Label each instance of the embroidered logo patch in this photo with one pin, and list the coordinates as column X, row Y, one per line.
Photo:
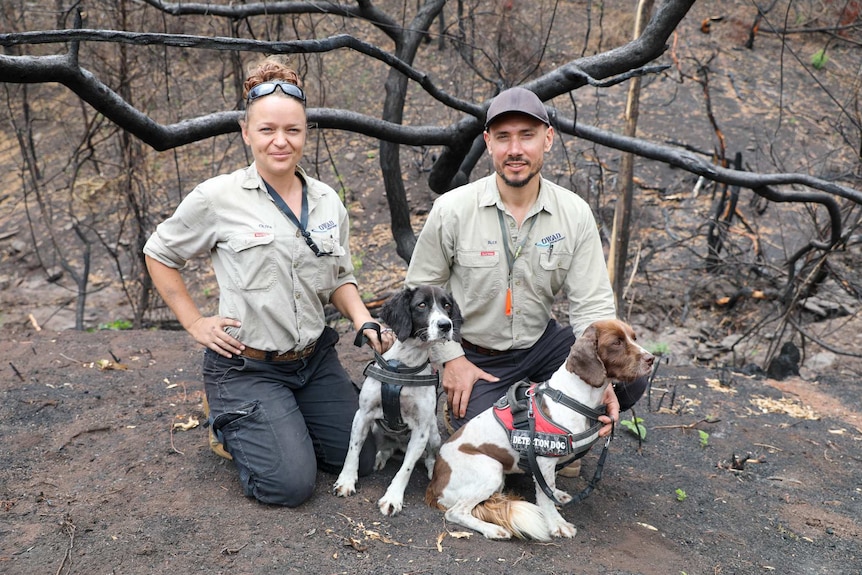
column 325, row 227
column 550, row 240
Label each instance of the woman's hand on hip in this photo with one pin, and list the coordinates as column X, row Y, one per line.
column 210, row 333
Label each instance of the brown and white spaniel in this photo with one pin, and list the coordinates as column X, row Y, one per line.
column 468, row 475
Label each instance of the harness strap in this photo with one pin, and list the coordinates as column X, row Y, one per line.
column 386, row 372
column 393, row 377
column 591, row 484
column 563, row 399
column 597, row 476
column 525, row 409
column 361, row 338
column 382, row 371
column 390, row 400
column 519, row 404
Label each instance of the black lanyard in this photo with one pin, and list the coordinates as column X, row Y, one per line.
column 302, row 222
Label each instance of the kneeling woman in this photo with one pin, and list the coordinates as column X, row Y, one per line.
column 279, row 398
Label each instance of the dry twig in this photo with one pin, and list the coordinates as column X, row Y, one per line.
column 91, row 430
column 689, row 426
column 69, row 528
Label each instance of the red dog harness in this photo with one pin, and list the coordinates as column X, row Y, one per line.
column 532, row 433
column 521, row 415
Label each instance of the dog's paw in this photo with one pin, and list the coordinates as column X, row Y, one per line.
column 389, row 505
column 381, row 458
column 496, row 532
column 344, row 487
column 562, row 496
column 563, row 529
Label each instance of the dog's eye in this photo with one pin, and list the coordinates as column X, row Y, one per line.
column 421, row 305
column 447, row 306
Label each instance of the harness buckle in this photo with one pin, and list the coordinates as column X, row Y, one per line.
column 529, row 394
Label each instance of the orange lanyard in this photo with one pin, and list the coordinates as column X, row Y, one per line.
column 510, row 257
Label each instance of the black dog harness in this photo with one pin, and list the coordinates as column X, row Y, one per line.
column 532, row 432
column 393, row 376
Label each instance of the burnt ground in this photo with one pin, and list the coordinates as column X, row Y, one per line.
column 97, row 476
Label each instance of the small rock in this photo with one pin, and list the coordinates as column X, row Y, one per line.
column 820, row 361
column 53, row 274
column 785, row 363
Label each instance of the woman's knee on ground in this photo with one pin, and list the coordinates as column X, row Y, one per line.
column 286, row 489
column 367, row 456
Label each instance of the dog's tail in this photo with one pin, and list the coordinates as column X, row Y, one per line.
column 524, row 519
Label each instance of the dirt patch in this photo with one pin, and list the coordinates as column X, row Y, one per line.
column 95, row 478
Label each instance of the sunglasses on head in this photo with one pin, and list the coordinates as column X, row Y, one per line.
column 267, row 88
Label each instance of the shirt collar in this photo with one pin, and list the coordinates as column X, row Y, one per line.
column 490, row 196
column 253, row 181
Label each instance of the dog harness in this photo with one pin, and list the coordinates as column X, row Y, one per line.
column 533, row 433
column 393, row 376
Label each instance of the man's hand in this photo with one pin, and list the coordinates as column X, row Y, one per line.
column 210, row 333
column 459, row 377
column 613, row 411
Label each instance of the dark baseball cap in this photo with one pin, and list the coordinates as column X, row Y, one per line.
column 516, row 101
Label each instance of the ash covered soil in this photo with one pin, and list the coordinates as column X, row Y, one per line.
column 98, row 475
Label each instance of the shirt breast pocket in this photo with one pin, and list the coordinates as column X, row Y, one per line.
column 480, row 272
column 554, row 264
column 252, row 261
column 327, row 269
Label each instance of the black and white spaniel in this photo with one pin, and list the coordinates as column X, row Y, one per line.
column 399, row 394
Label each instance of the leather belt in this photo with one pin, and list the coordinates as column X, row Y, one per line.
column 261, row 355
column 479, row 349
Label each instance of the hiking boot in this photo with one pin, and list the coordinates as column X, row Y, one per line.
column 573, row 469
column 215, row 445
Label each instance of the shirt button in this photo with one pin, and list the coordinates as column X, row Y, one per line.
column 296, row 264
column 298, row 233
column 297, row 295
column 517, row 283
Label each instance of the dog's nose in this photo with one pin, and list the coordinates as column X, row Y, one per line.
column 444, row 325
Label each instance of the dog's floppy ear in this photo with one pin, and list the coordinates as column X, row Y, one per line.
column 455, row 316
column 396, row 313
column 584, row 359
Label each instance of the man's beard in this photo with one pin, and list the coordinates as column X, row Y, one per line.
column 519, row 183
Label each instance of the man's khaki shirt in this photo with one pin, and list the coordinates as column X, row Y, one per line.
column 268, row 277
column 460, row 248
